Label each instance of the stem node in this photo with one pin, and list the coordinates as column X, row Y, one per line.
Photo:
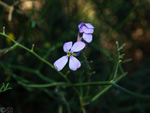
column 3, row 30
column 32, row 49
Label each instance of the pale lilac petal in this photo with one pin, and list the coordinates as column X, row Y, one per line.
column 80, row 25
column 87, row 37
column 74, row 63
column 61, row 62
column 88, row 30
column 67, row 46
column 89, row 25
column 81, row 29
column 77, row 46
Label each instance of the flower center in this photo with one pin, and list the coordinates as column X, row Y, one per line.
column 69, row 54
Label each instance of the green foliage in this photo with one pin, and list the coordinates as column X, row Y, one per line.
column 5, row 87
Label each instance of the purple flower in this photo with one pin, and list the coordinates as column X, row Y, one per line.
column 74, row 63
column 86, row 29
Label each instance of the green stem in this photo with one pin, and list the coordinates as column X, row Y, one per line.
column 42, row 85
column 19, row 67
column 130, row 92
column 37, row 72
column 106, row 88
column 66, row 84
column 43, row 77
column 30, row 50
column 88, row 72
column 48, row 53
column 40, row 58
column 118, row 61
column 116, row 71
column 127, row 60
column 82, row 105
column 66, row 102
column 121, row 69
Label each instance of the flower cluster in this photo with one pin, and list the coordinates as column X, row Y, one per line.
column 86, row 30
column 72, row 50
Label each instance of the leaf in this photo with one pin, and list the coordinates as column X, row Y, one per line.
column 121, row 56
column 122, row 46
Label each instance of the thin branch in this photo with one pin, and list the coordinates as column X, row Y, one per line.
column 4, row 4
column 40, row 58
column 97, row 95
column 130, row 92
column 66, row 84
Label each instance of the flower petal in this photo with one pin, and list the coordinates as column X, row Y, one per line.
column 77, row 46
column 87, row 30
column 81, row 27
column 87, row 37
column 67, row 46
column 74, row 63
column 61, row 62
column 89, row 25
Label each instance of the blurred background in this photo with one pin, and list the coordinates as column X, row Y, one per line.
column 48, row 24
